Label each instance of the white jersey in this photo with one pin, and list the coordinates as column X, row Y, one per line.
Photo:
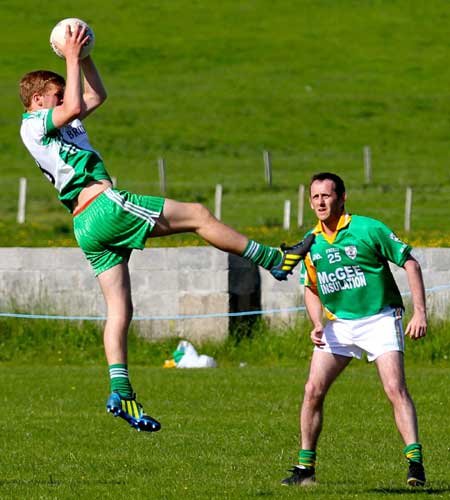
column 64, row 155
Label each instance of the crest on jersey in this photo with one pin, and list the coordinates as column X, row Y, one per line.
column 351, row 251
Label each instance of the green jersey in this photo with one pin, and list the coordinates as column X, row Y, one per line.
column 350, row 270
column 64, row 155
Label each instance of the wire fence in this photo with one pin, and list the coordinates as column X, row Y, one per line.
column 401, row 208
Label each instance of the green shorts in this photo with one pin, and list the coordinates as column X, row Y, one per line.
column 113, row 224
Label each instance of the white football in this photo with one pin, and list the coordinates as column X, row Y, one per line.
column 58, row 35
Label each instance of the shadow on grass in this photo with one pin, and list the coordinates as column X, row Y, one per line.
column 409, row 491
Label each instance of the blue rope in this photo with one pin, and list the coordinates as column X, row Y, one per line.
column 155, row 318
column 185, row 316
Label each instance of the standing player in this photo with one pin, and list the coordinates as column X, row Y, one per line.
column 347, row 276
column 109, row 223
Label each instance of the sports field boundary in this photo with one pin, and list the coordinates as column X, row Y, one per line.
column 187, row 316
column 194, row 292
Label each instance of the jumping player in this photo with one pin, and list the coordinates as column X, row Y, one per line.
column 108, row 223
column 346, row 275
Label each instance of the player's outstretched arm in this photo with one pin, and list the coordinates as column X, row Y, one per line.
column 94, row 92
column 70, row 107
column 417, row 326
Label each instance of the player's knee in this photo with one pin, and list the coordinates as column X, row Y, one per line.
column 121, row 315
column 313, row 392
column 202, row 214
column 396, row 392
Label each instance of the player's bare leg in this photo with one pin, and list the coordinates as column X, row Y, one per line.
column 116, row 288
column 392, row 375
column 115, row 285
column 180, row 217
column 324, row 370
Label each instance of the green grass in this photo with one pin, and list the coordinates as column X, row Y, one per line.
column 59, row 343
column 209, row 86
column 227, row 433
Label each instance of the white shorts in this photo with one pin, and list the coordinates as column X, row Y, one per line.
column 374, row 335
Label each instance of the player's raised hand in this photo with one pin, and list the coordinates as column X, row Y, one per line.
column 76, row 38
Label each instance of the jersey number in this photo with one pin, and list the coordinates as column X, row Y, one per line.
column 334, row 257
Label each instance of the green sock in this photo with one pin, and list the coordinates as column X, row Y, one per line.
column 119, row 380
column 263, row 255
column 413, row 452
column 307, row 459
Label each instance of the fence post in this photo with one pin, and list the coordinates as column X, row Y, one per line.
column 22, row 200
column 267, row 167
column 301, row 205
column 218, row 202
column 367, row 164
column 408, row 209
column 287, row 214
column 162, row 175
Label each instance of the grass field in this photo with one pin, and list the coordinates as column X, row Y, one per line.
column 209, row 86
column 227, row 433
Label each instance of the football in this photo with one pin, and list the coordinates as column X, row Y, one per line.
column 58, row 35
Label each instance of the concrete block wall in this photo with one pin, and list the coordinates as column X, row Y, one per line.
column 435, row 263
column 48, row 281
column 165, row 282
column 172, row 282
column 180, row 281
